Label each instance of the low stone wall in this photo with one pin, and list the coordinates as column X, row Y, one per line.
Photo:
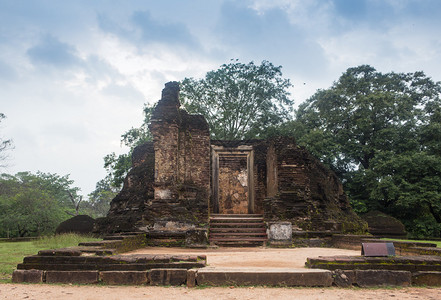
column 402, row 263
column 348, row 241
column 238, row 277
column 380, row 271
column 166, row 276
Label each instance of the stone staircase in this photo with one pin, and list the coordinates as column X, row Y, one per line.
column 237, row 230
column 98, row 262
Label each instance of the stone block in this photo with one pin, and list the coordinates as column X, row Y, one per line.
column 191, row 278
column 31, row 276
column 343, row 278
column 426, row 278
column 263, row 276
column 124, row 277
column 196, row 238
column 167, row 276
column 280, row 233
column 369, row 278
column 60, row 252
column 83, row 277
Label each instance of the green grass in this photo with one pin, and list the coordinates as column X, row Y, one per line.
column 12, row 253
column 438, row 243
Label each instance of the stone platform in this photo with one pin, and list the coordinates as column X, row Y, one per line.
column 230, row 267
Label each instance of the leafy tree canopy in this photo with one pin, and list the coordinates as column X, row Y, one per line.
column 34, row 204
column 99, row 200
column 239, row 101
column 381, row 134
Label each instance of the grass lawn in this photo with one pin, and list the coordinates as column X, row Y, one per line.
column 438, row 243
column 12, row 253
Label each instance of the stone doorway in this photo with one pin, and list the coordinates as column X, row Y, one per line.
column 232, row 184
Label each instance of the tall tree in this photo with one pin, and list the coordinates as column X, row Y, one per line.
column 380, row 133
column 239, row 101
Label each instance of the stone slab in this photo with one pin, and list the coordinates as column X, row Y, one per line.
column 31, row 276
column 167, row 276
column 426, row 278
column 263, row 276
column 343, row 278
column 124, row 277
column 280, row 232
column 370, row 278
column 109, row 267
column 191, row 278
column 82, row 277
column 60, row 252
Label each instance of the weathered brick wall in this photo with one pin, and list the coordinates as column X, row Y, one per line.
column 182, row 166
column 309, row 195
column 128, row 207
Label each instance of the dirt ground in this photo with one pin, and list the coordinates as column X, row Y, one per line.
column 252, row 257
column 222, row 257
column 65, row 292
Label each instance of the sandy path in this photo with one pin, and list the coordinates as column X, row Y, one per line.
column 252, row 257
column 65, row 292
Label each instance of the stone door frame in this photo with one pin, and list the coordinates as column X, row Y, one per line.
column 217, row 151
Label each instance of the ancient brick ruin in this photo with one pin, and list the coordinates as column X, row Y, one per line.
column 182, row 178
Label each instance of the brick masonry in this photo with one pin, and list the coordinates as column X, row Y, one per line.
column 181, row 177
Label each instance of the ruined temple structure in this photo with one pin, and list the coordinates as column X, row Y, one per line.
column 183, row 181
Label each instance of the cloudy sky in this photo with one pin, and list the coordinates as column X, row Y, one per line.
column 74, row 75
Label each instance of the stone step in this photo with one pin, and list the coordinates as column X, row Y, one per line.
column 227, row 234
column 237, row 239
column 101, row 243
column 234, row 220
column 210, row 276
column 110, row 267
column 247, row 229
column 403, row 263
column 116, row 259
column 114, row 238
column 98, row 250
column 237, row 230
column 236, row 215
column 236, row 224
column 263, row 276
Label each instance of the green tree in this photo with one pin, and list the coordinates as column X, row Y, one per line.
column 380, row 133
column 34, row 204
column 100, row 198
column 239, row 101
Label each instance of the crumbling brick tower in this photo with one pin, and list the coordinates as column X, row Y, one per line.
column 167, row 188
column 182, row 164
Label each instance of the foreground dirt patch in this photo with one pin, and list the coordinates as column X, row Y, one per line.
column 64, row 292
column 252, row 257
